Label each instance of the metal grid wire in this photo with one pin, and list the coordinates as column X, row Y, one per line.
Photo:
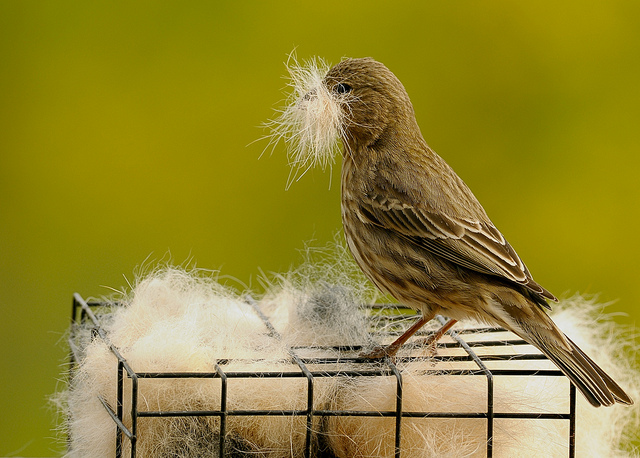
column 82, row 313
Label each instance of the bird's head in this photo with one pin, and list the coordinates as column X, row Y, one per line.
column 356, row 102
column 374, row 100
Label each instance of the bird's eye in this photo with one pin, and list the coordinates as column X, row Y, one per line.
column 342, row 88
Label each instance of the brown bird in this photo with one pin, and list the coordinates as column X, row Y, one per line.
column 415, row 228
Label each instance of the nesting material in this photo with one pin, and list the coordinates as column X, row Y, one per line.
column 179, row 321
column 312, row 121
column 317, row 303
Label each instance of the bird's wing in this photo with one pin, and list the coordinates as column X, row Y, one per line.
column 476, row 245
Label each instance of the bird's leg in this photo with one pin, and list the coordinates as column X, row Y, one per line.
column 391, row 349
column 432, row 340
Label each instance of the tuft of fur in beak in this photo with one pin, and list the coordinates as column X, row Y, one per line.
column 312, row 122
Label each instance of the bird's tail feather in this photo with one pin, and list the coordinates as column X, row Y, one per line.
column 587, row 376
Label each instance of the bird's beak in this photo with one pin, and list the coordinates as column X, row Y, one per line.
column 312, row 94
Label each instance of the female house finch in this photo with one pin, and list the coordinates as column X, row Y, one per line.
column 412, row 225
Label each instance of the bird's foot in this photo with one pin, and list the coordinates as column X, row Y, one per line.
column 380, row 352
column 431, row 341
column 430, row 344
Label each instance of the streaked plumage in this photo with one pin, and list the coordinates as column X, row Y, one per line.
column 419, row 233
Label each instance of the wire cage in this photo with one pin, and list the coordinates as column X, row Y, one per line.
column 476, row 352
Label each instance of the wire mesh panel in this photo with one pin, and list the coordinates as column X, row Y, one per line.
column 491, row 357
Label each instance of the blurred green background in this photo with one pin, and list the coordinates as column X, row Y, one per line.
column 127, row 130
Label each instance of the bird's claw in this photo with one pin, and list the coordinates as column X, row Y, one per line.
column 429, row 343
column 380, row 352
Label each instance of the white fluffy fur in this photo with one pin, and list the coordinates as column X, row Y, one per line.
column 312, row 121
column 185, row 321
column 313, row 305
